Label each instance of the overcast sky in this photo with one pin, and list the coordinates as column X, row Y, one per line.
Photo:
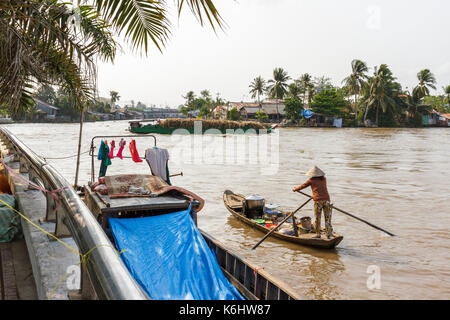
column 320, row 37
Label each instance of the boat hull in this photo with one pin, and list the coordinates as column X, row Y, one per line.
column 163, row 130
column 303, row 239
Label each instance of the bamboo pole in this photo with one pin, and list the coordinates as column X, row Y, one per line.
column 353, row 216
column 79, row 147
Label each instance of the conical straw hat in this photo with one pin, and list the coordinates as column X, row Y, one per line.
column 315, row 172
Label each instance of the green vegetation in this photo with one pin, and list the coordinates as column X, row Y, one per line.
column 52, row 42
column 293, row 108
column 261, row 116
column 330, row 102
column 376, row 99
column 205, row 104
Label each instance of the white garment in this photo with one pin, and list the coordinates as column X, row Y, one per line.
column 157, row 160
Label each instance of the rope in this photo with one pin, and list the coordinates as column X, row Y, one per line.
column 61, row 158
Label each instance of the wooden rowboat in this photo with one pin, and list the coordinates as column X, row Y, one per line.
column 233, row 202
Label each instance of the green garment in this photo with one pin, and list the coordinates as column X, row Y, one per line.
column 106, row 161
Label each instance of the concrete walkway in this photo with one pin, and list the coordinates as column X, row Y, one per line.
column 55, row 269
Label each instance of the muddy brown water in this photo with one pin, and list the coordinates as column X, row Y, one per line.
column 398, row 179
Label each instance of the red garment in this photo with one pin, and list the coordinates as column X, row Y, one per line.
column 134, row 152
column 111, row 153
column 121, row 146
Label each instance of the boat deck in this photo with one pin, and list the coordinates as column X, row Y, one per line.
column 104, row 204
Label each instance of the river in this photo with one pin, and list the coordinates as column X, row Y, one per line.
column 398, row 179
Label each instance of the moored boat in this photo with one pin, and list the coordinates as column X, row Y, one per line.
column 235, row 204
column 169, row 126
column 160, row 229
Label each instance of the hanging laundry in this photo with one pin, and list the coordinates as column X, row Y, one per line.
column 111, row 153
column 106, row 161
column 100, row 150
column 134, row 152
column 157, row 159
column 121, row 146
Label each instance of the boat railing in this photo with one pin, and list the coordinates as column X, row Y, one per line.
column 103, row 274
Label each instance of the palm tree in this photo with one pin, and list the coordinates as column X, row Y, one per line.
column 257, row 88
column 190, row 97
column 114, row 97
column 307, row 85
column 38, row 44
column 378, row 91
column 355, row 81
column 295, row 89
column 205, row 94
column 278, row 85
column 426, row 81
column 447, row 92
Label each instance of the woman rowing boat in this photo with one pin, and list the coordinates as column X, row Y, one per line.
column 318, row 184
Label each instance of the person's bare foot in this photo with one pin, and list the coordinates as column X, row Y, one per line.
column 317, row 236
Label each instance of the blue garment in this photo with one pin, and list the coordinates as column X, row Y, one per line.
column 100, row 150
column 169, row 258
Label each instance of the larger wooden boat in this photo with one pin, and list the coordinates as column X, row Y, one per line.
column 253, row 282
column 234, row 203
column 169, row 126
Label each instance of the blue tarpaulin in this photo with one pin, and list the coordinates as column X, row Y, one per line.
column 169, row 258
column 307, row 113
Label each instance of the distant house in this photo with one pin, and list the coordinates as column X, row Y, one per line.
column 273, row 108
column 323, row 120
column 161, row 113
column 220, row 112
column 193, row 113
column 45, row 111
column 101, row 116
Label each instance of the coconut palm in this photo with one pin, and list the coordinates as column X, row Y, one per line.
column 378, row 91
column 295, row 89
column 257, row 88
column 40, row 44
column 447, row 92
column 426, row 81
column 114, row 97
column 190, row 97
column 355, row 81
column 307, row 85
column 278, row 85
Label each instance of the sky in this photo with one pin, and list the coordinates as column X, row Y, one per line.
column 319, row 37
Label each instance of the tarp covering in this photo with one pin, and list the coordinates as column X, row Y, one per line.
column 9, row 220
column 169, row 258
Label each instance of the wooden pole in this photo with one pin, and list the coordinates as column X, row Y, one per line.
column 285, row 219
column 353, row 216
column 79, row 147
column 294, row 224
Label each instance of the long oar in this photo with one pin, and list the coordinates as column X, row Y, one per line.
column 274, row 229
column 353, row 216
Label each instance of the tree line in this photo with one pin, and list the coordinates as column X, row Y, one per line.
column 363, row 98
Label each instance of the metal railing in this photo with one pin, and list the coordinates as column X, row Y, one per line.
column 103, row 274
